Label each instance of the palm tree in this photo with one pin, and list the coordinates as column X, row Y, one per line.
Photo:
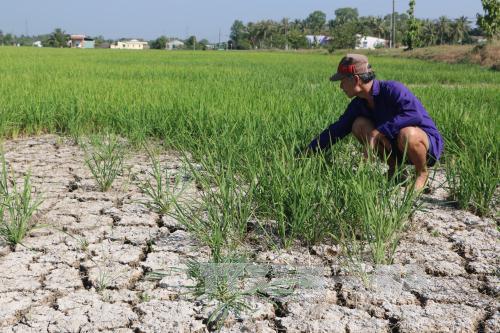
column 460, row 29
column 379, row 26
column 443, row 28
column 253, row 34
column 429, row 32
column 268, row 28
column 298, row 24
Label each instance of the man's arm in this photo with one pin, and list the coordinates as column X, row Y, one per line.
column 335, row 131
column 408, row 111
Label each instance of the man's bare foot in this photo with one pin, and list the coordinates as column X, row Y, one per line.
column 421, row 181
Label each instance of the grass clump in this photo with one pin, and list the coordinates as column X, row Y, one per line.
column 219, row 219
column 160, row 187
column 473, row 177
column 104, row 157
column 380, row 210
column 17, row 206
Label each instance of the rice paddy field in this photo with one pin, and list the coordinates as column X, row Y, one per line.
column 203, row 147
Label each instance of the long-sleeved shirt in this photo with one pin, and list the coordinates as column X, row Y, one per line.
column 395, row 108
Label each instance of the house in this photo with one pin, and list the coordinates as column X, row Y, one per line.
column 38, row 43
column 317, row 40
column 478, row 39
column 132, row 44
column 81, row 42
column 174, row 44
column 368, row 42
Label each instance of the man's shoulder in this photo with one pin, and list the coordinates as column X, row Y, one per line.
column 390, row 85
column 393, row 88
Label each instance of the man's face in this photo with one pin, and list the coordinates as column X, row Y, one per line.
column 349, row 86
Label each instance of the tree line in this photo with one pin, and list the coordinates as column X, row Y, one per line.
column 343, row 29
column 346, row 24
column 59, row 38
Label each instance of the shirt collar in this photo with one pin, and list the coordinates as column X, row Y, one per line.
column 375, row 88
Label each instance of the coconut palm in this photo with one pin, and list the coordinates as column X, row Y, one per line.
column 379, row 26
column 429, row 33
column 460, row 29
column 444, row 29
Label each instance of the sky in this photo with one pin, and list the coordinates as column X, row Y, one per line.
column 150, row 19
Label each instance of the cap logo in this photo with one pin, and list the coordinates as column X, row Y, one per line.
column 346, row 69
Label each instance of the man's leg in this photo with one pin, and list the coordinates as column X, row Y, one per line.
column 366, row 133
column 415, row 142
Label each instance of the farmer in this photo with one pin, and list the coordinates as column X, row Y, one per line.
column 384, row 116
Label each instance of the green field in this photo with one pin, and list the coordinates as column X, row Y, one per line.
column 242, row 115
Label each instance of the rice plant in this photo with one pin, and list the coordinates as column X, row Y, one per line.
column 473, row 177
column 244, row 119
column 382, row 210
column 160, row 187
column 220, row 217
column 17, row 206
column 104, row 157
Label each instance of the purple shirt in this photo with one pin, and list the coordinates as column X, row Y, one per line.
column 395, row 108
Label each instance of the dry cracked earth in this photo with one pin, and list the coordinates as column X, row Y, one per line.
column 445, row 276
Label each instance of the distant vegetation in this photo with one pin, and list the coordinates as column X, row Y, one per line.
column 347, row 23
column 291, row 33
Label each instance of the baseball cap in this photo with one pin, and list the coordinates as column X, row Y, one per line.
column 351, row 64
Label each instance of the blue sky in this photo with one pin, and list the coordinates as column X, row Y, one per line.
column 204, row 18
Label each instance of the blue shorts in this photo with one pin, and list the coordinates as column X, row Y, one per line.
column 431, row 153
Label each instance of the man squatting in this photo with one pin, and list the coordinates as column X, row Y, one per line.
column 384, row 116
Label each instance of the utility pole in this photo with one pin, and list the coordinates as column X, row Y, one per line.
column 393, row 25
column 286, row 33
column 218, row 45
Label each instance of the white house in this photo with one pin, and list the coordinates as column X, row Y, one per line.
column 174, row 44
column 81, row 42
column 132, row 44
column 368, row 42
column 38, row 43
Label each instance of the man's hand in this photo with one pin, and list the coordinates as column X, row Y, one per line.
column 375, row 138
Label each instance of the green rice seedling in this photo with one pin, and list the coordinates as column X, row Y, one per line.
column 247, row 114
column 294, row 191
column 220, row 218
column 105, row 278
column 160, row 187
column 16, row 206
column 104, row 158
column 381, row 210
column 375, row 213
column 83, row 243
column 473, row 177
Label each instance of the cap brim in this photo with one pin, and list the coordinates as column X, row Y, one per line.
column 337, row 77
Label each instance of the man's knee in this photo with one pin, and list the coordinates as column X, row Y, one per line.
column 411, row 136
column 362, row 127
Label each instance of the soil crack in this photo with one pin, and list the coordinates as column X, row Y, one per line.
column 281, row 311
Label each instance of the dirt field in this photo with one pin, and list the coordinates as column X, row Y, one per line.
column 445, row 277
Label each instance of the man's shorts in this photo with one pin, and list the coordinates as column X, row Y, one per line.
column 431, row 153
